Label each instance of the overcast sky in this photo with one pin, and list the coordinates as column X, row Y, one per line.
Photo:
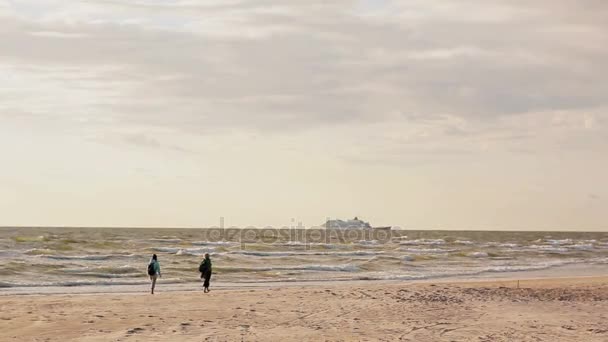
column 469, row 114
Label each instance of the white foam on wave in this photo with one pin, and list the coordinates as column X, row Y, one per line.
column 183, row 251
column 88, row 283
column 582, row 247
column 214, row 243
column 531, row 267
column 478, row 255
column 423, row 242
column 309, row 244
column 427, row 250
column 560, row 242
column 171, row 250
column 546, row 249
column 166, row 240
column 509, row 245
column 600, row 261
column 452, row 273
column 320, row 268
column 389, row 276
column 464, row 242
column 38, row 251
column 195, row 251
column 305, row 253
column 86, row 257
column 368, row 242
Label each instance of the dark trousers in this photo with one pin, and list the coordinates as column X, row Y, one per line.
column 207, row 277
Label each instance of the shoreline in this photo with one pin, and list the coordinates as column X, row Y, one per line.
column 566, row 272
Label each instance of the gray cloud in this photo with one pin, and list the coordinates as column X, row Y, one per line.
column 275, row 66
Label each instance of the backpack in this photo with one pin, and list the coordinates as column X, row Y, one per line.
column 151, row 270
column 202, row 267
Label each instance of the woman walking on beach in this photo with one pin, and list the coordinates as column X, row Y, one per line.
column 153, row 271
column 205, row 269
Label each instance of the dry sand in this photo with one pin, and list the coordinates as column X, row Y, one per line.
column 541, row 310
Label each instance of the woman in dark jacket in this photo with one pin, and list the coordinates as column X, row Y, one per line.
column 205, row 269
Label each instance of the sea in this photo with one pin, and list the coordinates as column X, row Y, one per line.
column 83, row 260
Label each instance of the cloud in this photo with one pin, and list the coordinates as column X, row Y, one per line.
column 270, row 66
column 53, row 34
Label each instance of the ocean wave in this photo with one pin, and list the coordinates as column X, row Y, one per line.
column 166, row 240
column 600, row 261
column 108, row 275
column 582, row 247
column 508, row 245
column 4, row 284
column 521, row 268
column 464, row 273
column 393, row 277
column 464, row 242
column 423, row 242
column 214, row 243
column 110, row 270
column 427, row 250
column 171, row 250
column 559, row 242
column 195, row 251
column 478, row 255
column 408, row 258
column 182, row 251
column 308, row 244
column 320, row 268
column 368, row 242
column 39, row 251
column 26, row 239
column 304, row 253
column 87, row 257
column 546, row 249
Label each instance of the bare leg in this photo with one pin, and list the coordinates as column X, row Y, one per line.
column 153, row 278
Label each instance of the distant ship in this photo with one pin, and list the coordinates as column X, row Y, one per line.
column 355, row 223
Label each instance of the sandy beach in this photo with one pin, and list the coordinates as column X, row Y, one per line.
column 571, row 309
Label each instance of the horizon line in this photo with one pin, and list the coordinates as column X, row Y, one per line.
column 308, row 228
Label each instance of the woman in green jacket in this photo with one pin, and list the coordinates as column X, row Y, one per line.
column 153, row 271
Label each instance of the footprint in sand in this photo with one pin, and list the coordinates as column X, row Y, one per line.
column 134, row 331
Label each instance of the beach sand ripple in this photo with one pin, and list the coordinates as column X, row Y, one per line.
column 539, row 310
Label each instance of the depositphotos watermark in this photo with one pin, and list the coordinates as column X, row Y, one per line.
column 300, row 235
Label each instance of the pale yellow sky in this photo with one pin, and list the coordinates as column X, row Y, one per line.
column 420, row 114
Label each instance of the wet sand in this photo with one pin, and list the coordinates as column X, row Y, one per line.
column 540, row 310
